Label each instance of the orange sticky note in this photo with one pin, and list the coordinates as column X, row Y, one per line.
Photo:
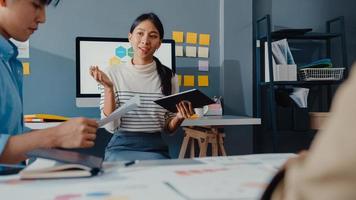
column 177, row 36
column 188, row 80
column 26, row 68
column 204, row 39
column 179, row 80
column 203, row 81
column 191, row 38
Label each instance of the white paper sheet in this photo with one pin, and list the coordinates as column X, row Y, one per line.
column 128, row 106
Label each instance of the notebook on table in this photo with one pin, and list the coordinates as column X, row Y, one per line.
column 57, row 163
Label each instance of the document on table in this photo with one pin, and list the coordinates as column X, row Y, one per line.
column 131, row 104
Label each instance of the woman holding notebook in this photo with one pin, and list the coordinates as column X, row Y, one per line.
column 137, row 135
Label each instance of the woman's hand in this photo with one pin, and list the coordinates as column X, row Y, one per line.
column 185, row 110
column 100, row 77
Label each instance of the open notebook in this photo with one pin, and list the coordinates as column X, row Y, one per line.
column 56, row 163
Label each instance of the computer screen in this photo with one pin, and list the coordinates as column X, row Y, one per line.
column 105, row 52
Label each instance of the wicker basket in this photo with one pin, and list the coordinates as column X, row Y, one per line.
column 321, row 74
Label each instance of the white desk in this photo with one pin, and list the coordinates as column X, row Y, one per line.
column 232, row 177
column 225, row 120
column 211, row 135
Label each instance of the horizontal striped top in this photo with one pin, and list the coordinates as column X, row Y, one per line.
column 129, row 80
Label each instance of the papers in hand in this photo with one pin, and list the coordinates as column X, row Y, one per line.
column 300, row 97
column 131, row 104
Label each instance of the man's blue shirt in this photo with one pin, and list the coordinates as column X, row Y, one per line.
column 11, row 106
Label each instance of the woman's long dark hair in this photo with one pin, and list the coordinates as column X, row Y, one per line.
column 165, row 74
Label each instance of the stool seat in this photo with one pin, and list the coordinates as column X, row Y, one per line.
column 204, row 136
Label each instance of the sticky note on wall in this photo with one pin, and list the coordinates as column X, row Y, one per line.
column 188, row 80
column 191, row 38
column 179, row 50
column 190, row 51
column 177, row 36
column 26, row 68
column 179, row 80
column 203, row 65
column 203, row 52
column 204, row 39
column 203, row 80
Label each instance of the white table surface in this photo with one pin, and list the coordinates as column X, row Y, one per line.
column 225, row 120
column 226, row 177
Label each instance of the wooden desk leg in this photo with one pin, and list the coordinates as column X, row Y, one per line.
column 183, row 148
column 192, row 148
column 221, row 144
column 203, row 147
column 214, row 148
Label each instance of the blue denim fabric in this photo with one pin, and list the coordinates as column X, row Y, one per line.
column 11, row 105
column 136, row 146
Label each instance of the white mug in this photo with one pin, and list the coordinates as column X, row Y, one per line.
column 200, row 112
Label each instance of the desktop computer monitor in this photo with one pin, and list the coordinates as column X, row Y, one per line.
column 105, row 52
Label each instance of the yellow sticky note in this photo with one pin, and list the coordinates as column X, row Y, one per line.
column 179, row 80
column 204, row 39
column 26, row 68
column 191, row 38
column 203, row 80
column 177, row 36
column 188, row 80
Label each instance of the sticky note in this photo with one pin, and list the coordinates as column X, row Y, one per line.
column 177, row 36
column 179, row 80
column 188, row 80
column 203, row 80
column 179, row 50
column 203, row 52
column 203, row 65
column 204, row 39
column 26, row 68
column 190, row 51
column 191, row 38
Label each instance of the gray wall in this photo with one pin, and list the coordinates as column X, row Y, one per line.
column 237, row 71
column 53, row 46
column 51, row 86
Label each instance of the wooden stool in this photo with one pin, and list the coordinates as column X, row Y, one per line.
column 204, row 136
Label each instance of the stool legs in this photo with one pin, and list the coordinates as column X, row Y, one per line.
column 192, row 148
column 184, row 146
column 204, row 138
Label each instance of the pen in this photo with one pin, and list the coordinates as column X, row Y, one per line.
column 13, row 166
column 131, row 163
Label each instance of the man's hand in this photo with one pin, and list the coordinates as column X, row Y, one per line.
column 76, row 133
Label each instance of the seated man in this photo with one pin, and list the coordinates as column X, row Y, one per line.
column 18, row 20
column 328, row 170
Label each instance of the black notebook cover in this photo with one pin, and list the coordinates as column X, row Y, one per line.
column 69, row 157
column 196, row 97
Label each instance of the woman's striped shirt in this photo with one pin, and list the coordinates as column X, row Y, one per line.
column 129, row 80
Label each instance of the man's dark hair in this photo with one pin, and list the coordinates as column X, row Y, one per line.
column 47, row 2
